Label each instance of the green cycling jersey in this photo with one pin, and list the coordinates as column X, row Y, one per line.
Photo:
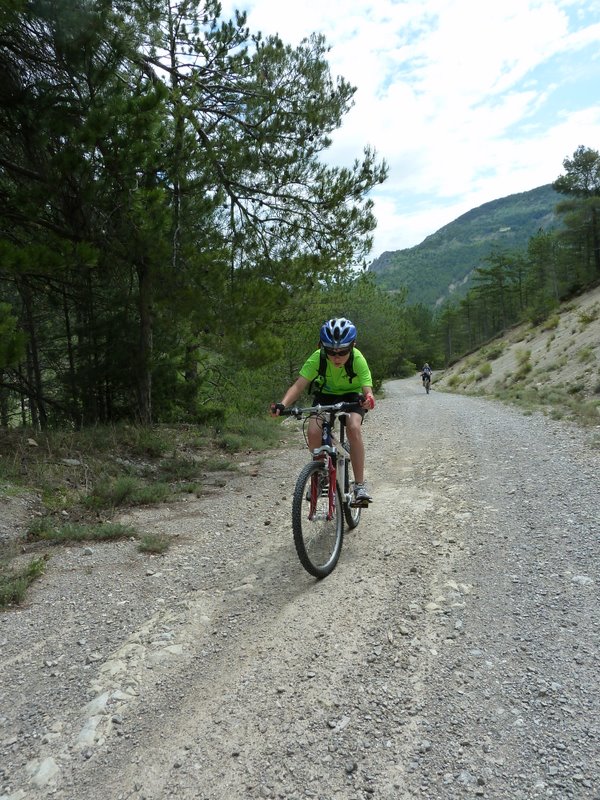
column 336, row 380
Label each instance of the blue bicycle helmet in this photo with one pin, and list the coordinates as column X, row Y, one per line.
column 338, row 332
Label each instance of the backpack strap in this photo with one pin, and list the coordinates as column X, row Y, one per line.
column 317, row 382
column 350, row 366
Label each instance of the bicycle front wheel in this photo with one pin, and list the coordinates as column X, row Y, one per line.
column 318, row 529
column 351, row 514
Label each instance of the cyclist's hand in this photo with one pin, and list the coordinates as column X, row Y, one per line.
column 276, row 409
column 368, row 402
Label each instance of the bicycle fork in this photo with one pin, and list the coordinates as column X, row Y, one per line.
column 325, row 453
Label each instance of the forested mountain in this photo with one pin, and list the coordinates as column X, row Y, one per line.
column 443, row 263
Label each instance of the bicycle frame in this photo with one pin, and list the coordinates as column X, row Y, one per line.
column 334, row 451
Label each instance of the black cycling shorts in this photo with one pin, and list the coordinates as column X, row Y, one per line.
column 323, row 399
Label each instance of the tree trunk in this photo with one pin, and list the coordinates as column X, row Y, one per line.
column 4, row 406
column 144, row 381
column 76, row 412
column 39, row 418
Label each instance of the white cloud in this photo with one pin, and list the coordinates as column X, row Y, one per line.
column 466, row 100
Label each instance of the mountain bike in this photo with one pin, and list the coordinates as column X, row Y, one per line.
column 323, row 497
column 427, row 383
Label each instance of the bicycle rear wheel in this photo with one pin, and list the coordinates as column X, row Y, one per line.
column 318, row 539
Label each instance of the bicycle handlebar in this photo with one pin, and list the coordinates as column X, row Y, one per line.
column 336, row 408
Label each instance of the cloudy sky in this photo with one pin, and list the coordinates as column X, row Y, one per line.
column 466, row 100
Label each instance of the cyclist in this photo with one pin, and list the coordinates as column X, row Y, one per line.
column 426, row 373
column 336, row 371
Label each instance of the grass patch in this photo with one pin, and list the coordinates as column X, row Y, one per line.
column 14, row 582
column 127, row 491
column 558, row 402
column 587, row 413
column 485, row 370
column 218, row 463
column 585, row 317
column 241, row 434
column 46, row 530
column 173, row 470
column 585, row 355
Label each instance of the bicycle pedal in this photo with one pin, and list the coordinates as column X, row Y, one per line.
column 360, row 503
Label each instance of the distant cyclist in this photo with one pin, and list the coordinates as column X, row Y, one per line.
column 426, row 373
column 336, row 372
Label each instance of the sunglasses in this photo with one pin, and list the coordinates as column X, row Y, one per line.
column 343, row 352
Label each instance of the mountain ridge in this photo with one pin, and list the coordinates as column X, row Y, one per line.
column 441, row 265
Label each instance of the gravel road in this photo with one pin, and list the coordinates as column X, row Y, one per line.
column 453, row 653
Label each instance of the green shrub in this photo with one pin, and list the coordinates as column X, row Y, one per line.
column 585, row 318
column 156, row 543
column 588, row 413
column 494, row 351
column 585, row 354
column 151, row 494
column 112, row 493
column 522, row 356
column 551, row 323
column 179, row 469
column 148, row 442
column 523, row 371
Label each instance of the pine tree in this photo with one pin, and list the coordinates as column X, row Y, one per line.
column 581, row 183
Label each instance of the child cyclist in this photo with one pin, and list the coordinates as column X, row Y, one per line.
column 337, row 371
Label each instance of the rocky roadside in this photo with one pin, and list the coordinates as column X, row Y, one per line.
column 454, row 651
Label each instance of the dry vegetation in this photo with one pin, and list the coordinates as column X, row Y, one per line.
column 553, row 367
column 59, row 487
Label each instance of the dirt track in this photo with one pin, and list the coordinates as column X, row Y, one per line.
column 454, row 652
